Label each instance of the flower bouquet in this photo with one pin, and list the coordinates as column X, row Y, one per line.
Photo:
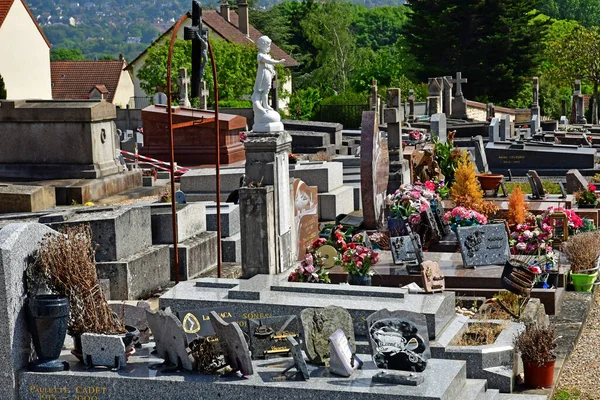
column 416, row 135
column 358, row 262
column 461, row 216
column 531, row 245
column 587, row 197
column 574, row 222
column 439, row 187
column 310, row 270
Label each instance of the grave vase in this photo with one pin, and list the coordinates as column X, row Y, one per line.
column 359, row 280
column 538, row 376
column 47, row 318
column 583, row 282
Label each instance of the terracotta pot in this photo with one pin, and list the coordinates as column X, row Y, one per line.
column 539, row 376
column 490, row 181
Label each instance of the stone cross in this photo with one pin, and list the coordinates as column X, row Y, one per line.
column 579, row 103
column 458, row 81
column 203, row 96
column 536, row 91
column 183, row 81
column 411, row 105
column 374, row 96
column 447, row 96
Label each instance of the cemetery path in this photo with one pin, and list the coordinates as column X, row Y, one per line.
column 581, row 370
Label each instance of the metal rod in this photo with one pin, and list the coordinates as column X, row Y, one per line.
column 171, row 146
column 218, row 166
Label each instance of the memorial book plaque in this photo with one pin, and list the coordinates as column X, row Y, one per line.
column 268, row 336
column 483, row 244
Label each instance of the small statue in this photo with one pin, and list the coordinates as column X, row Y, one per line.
column 266, row 119
column 203, row 38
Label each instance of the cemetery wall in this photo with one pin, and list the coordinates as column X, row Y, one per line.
column 130, row 118
column 477, row 111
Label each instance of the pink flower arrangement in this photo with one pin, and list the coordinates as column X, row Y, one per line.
column 310, row 270
column 531, row 239
column 416, row 135
column 574, row 222
column 410, row 199
column 358, row 260
column 461, row 216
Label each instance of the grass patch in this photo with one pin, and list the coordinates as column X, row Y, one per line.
column 550, row 187
column 570, row 394
column 479, row 334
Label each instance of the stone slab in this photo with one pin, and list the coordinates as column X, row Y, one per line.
column 138, row 275
column 197, row 254
column 338, row 201
column 21, row 198
column 201, row 181
column 133, row 313
column 84, row 190
column 442, row 380
column 230, row 218
column 231, row 248
column 327, row 176
column 170, row 339
column 261, row 300
column 191, row 221
column 103, row 350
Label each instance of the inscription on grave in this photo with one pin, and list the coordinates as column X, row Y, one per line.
column 483, row 244
column 197, row 322
column 268, row 336
column 403, row 249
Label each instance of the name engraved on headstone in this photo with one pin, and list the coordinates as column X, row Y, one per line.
column 483, row 244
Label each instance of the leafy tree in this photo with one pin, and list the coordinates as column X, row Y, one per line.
column 2, row 89
column 64, row 54
column 577, row 56
column 586, row 12
column 303, row 102
column 494, row 43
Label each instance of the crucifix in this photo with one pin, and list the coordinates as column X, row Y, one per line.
column 199, row 37
column 183, row 81
column 458, row 81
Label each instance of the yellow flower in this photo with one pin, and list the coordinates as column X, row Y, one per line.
column 89, row 204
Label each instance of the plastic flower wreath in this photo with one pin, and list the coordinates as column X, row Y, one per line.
column 410, row 199
column 574, row 222
column 311, row 268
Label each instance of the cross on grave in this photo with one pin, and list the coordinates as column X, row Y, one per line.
column 184, row 81
column 374, row 96
column 203, row 96
column 458, row 82
column 199, row 37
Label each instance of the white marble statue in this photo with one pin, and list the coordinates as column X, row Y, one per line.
column 265, row 118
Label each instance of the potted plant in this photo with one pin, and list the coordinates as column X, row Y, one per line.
column 490, row 181
column 67, row 262
column 587, row 198
column 582, row 251
column 358, row 262
column 446, row 155
column 312, row 268
column 536, row 345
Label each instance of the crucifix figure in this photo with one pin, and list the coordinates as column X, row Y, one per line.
column 183, row 81
column 199, row 37
column 458, row 81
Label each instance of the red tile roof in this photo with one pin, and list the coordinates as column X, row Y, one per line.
column 74, row 80
column 230, row 32
column 5, row 6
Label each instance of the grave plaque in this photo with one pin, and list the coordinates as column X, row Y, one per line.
column 196, row 323
column 343, row 362
column 431, row 227
column 403, row 249
column 438, row 213
column 170, row 340
column 433, row 278
column 318, row 324
column 374, row 171
column 306, row 215
column 231, row 336
column 268, row 336
column 299, row 362
column 483, row 244
column 399, row 340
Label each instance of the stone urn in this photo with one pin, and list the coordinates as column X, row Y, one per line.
column 47, row 319
column 490, row 181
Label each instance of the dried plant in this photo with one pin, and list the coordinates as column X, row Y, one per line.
column 321, row 156
column 479, row 334
column 517, row 207
column 536, row 344
column 582, row 251
column 66, row 264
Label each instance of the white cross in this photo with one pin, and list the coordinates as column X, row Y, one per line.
column 458, row 81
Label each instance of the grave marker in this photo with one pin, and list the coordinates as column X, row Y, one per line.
column 537, row 189
column 438, row 127
column 318, row 325
column 170, row 339
column 459, row 103
column 195, row 323
column 434, row 101
column 268, row 336
column 447, row 96
column 575, row 181
column 374, row 171
column 232, row 337
column 411, row 105
column 343, row 362
column 505, row 128
column 159, row 99
column 535, row 106
column 299, row 362
column 483, row 245
column 480, row 156
column 183, row 81
column 494, row 130
column 433, row 278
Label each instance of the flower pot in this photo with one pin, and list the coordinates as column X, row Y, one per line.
column 47, row 318
column 128, row 339
column 539, row 376
column 583, row 282
column 359, row 280
column 397, row 227
column 587, row 205
column 489, row 181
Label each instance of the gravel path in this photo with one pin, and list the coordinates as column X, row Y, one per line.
column 580, row 376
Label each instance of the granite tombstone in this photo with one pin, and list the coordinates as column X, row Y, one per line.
column 483, row 244
column 318, row 324
column 231, row 336
column 306, row 215
column 299, row 362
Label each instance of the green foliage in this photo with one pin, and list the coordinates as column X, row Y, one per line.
column 566, row 393
column 153, row 74
column 495, row 44
column 64, row 54
column 303, row 102
column 235, row 103
column 347, row 97
column 586, row 12
column 2, row 89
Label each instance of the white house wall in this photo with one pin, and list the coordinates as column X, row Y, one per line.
column 25, row 57
column 124, row 91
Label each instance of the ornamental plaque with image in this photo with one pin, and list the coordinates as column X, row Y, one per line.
column 483, row 245
column 196, row 323
column 268, row 336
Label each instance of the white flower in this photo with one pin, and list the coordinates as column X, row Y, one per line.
column 521, row 246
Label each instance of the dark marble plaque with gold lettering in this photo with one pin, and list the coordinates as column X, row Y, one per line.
column 268, row 336
column 196, row 323
column 483, row 245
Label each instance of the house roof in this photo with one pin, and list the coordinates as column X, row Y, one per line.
column 230, row 32
column 5, row 6
column 74, row 80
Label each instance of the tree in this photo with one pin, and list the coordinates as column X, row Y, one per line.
column 494, row 43
column 327, row 27
column 586, row 12
column 577, row 56
column 2, row 89
column 64, row 54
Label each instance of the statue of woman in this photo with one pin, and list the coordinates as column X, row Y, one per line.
column 264, row 76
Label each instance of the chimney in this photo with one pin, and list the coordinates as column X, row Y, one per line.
column 243, row 18
column 225, row 10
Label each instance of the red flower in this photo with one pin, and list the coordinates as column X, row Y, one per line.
column 591, row 187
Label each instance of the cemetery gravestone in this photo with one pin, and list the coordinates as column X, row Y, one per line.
column 184, row 81
column 483, row 244
column 399, row 340
column 318, row 325
column 535, row 106
column 343, row 362
column 194, row 323
column 537, row 189
column 433, row 278
column 306, row 215
column 447, row 97
column 575, row 181
column 268, row 336
column 434, row 101
column 494, row 130
column 505, row 128
column 438, row 213
column 430, row 229
column 231, row 336
column 480, row 156
column 374, row 171
column 403, row 249
column 103, row 350
column 299, row 362
column 438, row 127
column 159, row 99
column 459, row 103
column 170, row 339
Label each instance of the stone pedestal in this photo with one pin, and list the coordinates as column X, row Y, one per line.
column 434, row 105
